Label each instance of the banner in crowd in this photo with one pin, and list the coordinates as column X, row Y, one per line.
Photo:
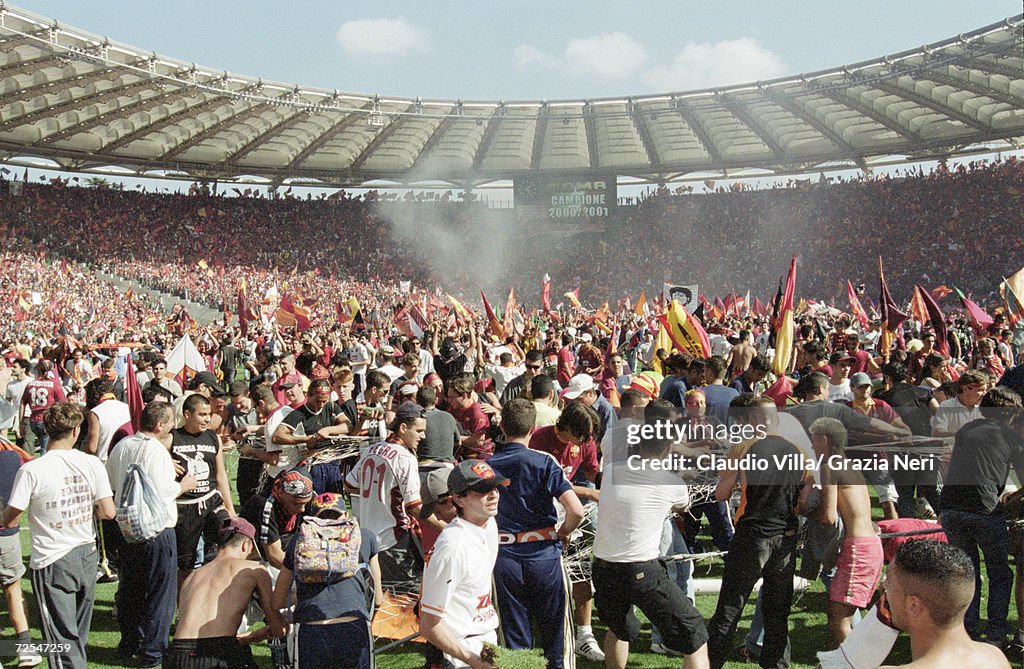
column 184, row 361
column 686, row 296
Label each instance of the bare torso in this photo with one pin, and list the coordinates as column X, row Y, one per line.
column 854, row 505
column 742, row 354
column 215, row 596
column 966, row 653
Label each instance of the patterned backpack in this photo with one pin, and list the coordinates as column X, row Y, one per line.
column 327, row 549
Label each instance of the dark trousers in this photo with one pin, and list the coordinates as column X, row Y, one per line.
column 402, row 563
column 719, row 519
column 65, row 591
column 970, row 532
column 338, row 646
column 247, row 479
column 146, row 595
column 924, row 482
column 534, row 589
column 751, row 557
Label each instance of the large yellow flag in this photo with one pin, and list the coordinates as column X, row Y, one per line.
column 462, row 311
column 684, row 331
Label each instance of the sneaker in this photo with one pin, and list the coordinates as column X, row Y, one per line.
column 923, row 510
column 662, row 649
column 589, row 648
column 29, row 660
column 108, row 577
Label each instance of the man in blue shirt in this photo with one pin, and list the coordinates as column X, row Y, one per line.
column 529, row 578
column 718, row 394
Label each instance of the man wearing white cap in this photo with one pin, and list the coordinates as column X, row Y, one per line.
column 582, row 388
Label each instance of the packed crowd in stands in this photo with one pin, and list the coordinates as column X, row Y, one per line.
column 956, row 227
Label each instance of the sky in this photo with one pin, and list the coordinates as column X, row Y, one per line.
column 524, row 50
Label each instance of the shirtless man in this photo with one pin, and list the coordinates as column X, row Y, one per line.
column 844, row 494
column 206, row 635
column 929, row 586
column 740, row 355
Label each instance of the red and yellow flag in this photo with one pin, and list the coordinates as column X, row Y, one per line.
column 684, row 331
column 492, row 319
column 785, row 324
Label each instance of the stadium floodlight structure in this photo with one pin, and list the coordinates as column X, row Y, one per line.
column 91, row 104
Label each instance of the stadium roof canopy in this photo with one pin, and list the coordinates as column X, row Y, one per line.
column 91, row 104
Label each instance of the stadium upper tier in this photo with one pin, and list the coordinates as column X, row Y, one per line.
column 89, row 103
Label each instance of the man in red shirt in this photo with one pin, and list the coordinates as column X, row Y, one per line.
column 40, row 394
column 571, row 442
column 472, row 420
column 566, row 361
column 590, row 359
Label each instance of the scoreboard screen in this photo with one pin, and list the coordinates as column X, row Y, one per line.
column 565, row 203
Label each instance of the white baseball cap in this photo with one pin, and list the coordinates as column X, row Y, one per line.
column 578, row 385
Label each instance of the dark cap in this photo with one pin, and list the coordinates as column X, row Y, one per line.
column 841, row 356
column 208, row 379
column 475, row 475
column 234, row 526
column 405, row 411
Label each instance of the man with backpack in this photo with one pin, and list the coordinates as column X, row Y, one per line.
column 333, row 563
column 148, row 568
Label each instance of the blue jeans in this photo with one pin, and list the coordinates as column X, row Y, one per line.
column 42, row 439
column 338, row 646
column 969, row 532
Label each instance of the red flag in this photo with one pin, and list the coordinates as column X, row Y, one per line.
column 855, row 306
column 980, row 320
column 938, row 320
column 759, row 308
column 492, row 319
column 299, row 314
column 243, row 311
column 918, row 308
column 892, row 317
column 133, row 395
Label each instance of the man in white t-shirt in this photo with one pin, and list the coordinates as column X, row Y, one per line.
column 387, row 482
column 148, row 587
column 635, row 500
column 958, row 411
column 456, row 611
column 59, row 491
column 276, row 458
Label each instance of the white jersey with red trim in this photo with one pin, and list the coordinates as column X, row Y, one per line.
column 457, row 578
column 388, row 480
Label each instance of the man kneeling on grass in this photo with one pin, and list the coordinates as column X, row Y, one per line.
column 206, row 634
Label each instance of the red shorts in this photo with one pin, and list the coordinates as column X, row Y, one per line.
column 857, row 571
